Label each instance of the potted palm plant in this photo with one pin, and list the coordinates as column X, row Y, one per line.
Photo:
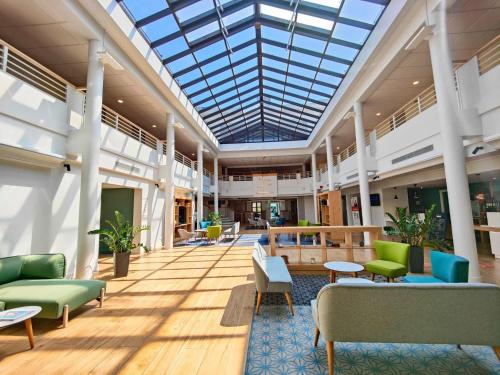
column 120, row 240
column 414, row 232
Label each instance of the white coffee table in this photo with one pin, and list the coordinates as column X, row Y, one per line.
column 354, row 280
column 33, row 310
column 342, row 267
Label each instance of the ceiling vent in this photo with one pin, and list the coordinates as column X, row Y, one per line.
column 412, row 154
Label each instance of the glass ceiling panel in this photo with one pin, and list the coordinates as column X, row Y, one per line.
column 257, row 70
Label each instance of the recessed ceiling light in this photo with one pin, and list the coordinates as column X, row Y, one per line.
column 338, row 148
column 192, row 154
column 154, row 125
column 415, row 83
column 120, row 101
column 378, row 114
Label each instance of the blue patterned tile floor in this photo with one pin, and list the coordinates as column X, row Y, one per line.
column 283, row 345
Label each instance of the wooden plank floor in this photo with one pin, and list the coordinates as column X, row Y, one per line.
column 184, row 311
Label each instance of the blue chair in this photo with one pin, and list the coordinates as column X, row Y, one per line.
column 446, row 268
column 205, row 224
column 280, row 222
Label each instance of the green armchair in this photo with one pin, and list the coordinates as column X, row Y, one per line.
column 213, row 233
column 392, row 260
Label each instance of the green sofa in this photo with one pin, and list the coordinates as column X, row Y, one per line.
column 38, row 280
column 392, row 260
column 465, row 314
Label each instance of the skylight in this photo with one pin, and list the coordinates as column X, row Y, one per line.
column 262, row 70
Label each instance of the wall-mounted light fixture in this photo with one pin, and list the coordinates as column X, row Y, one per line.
column 68, row 167
column 395, row 195
column 477, row 149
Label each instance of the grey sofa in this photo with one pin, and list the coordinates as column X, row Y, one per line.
column 407, row 313
column 271, row 275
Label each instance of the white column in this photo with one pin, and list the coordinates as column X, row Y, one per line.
column 169, row 183
column 304, row 168
column 457, row 182
column 314, row 183
column 199, row 210
column 216, row 185
column 329, row 161
column 88, row 218
column 361, row 157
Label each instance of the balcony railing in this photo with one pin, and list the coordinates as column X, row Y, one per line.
column 23, row 67
column 120, row 123
column 351, row 150
column 287, row 176
column 243, row 178
column 489, row 56
column 206, row 172
column 184, row 160
column 305, row 174
column 414, row 107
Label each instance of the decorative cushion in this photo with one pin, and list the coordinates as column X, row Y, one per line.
column 46, row 266
column 10, row 269
column 386, row 268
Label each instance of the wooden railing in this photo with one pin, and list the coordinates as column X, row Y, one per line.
column 30, row 71
column 315, row 255
column 489, row 56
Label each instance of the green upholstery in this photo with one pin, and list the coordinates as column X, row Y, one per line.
column 445, row 313
column 392, row 259
column 50, row 294
column 10, row 269
column 214, row 232
column 39, row 280
column 50, row 266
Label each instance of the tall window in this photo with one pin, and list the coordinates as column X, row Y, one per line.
column 256, row 208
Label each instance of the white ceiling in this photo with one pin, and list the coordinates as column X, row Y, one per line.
column 45, row 35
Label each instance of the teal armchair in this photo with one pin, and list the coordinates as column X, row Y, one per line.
column 446, row 268
column 392, row 260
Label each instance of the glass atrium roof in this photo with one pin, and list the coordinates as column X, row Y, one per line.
column 257, row 70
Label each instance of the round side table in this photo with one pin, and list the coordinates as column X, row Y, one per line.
column 343, row 267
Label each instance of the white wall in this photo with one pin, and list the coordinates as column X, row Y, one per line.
column 39, row 211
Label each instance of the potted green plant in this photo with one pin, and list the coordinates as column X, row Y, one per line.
column 414, row 232
column 120, row 240
column 214, row 218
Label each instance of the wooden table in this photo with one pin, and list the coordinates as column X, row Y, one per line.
column 342, row 267
column 486, row 228
column 201, row 232
column 32, row 311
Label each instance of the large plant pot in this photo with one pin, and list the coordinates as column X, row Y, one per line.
column 121, row 261
column 416, row 259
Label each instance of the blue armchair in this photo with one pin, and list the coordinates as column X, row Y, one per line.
column 446, row 268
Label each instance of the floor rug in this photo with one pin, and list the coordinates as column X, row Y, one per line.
column 305, row 289
column 281, row 344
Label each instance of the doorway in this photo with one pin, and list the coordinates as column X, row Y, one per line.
column 119, row 199
column 274, row 207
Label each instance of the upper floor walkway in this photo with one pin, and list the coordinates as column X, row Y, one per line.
column 41, row 115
